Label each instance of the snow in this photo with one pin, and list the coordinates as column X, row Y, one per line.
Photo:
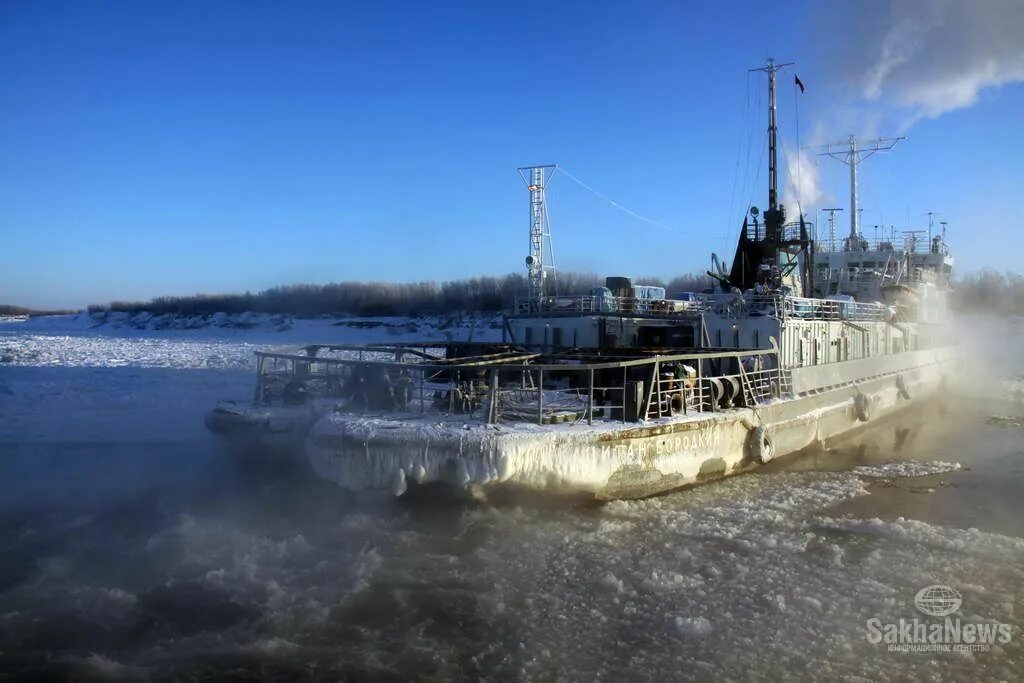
column 262, row 326
column 111, row 352
column 217, row 341
column 693, row 626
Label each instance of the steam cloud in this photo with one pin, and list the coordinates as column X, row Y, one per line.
column 891, row 63
column 803, row 183
column 929, row 57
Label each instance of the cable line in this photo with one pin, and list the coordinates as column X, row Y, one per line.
column 614, row 203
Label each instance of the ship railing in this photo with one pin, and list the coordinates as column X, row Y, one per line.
column 781, row 307
column 791, row 231
column 516, row 386
column 913, row 277
column 906, row 243
column 754, row 381
column 590, row 304
column 832, row 309
column 634, row 390
column 859, row 274
column 346, row 371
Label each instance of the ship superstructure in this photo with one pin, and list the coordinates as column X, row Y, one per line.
column 819, row 302
column 911, row 271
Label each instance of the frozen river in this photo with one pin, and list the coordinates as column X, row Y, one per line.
column 132, row 546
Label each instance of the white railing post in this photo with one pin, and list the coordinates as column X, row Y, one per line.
column 590, row 400
column 540, row 396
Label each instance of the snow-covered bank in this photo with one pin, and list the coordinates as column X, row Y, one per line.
column 275, row 326
column 122, row 378
column 214, row 341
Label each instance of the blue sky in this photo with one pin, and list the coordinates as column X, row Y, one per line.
column 172, row 148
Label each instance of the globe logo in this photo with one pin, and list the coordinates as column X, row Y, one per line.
column 938, row 600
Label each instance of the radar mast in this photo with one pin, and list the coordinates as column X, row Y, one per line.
column 781, row 256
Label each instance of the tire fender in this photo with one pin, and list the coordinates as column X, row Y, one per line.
column 861, row 407
column 762, row 448
column 901, row 385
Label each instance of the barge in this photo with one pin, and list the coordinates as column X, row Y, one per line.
column 626, row 392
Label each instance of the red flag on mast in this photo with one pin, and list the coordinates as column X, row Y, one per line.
column 799, row 83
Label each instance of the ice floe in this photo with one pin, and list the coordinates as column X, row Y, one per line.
column 906, row 468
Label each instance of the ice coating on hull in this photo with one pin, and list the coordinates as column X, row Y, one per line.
column 608, row 459
column 367, row 453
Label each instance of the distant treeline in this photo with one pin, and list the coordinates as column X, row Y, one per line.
column 21, row 310
column 382, row 298
column 989, row 290
column 986, row 290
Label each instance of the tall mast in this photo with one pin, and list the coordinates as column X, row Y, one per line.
column 854, row 210
column 773, row 131
column 536, row 182
column 773, row 222
column 778, row 259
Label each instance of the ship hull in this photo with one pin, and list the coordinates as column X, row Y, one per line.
column 609, row 460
